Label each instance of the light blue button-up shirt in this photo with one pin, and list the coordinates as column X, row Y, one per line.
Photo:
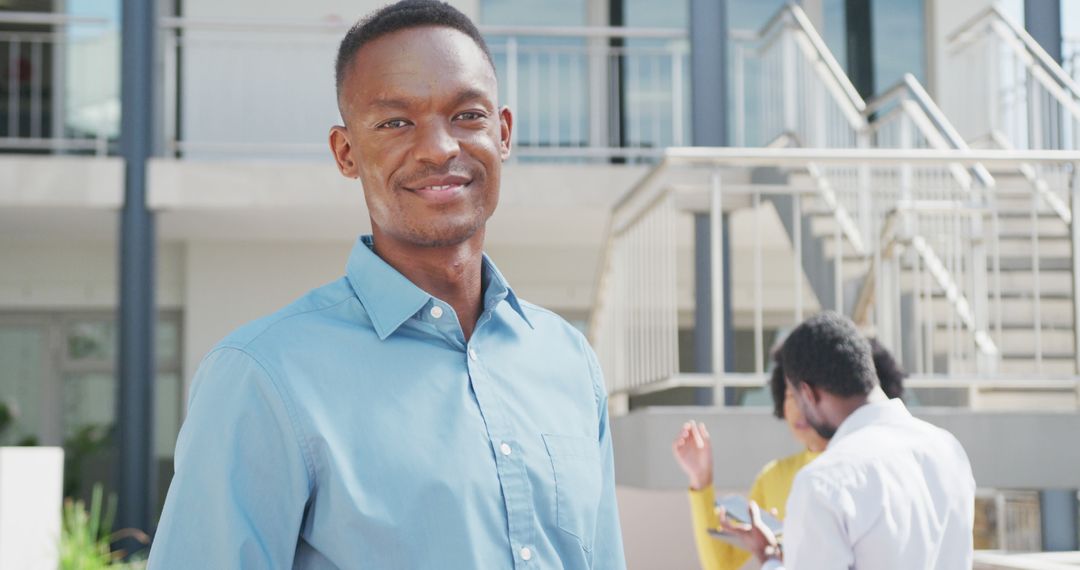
column 356, row 428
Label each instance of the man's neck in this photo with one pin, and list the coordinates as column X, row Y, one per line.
column 451, row 273
column 848, row 406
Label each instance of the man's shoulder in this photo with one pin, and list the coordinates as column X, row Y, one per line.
column 852, row 460
column 318, row 304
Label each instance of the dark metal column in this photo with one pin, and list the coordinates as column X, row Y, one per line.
column 859, row 31
column 1042, row 19
column 135, row 410
column 708, row 103
column 617, row 135
column 1058, row 513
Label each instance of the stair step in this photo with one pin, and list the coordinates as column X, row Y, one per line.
column 1050, row 366
column 1054, row 313
column 1018, row 343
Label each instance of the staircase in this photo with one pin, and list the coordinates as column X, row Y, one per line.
column 961, row 266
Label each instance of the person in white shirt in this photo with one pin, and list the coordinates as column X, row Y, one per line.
column 890, row 492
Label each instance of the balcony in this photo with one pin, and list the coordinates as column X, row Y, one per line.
column 264, row 89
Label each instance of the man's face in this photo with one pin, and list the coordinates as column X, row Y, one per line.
column 809, row 403
column 424, row 135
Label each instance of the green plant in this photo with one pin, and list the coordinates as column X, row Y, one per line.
column 86, row 537
column 87, row 441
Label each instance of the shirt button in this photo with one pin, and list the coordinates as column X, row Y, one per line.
column 436, row 312
column 526, row 554
column 505, row 448
column 472, row 354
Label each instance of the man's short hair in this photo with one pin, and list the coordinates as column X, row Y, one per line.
column 889, row 373
column 826, row 351
column 403, row 15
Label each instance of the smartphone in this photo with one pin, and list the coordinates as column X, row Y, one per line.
column 738, row 509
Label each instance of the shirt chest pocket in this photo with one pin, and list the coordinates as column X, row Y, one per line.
column 575, row 462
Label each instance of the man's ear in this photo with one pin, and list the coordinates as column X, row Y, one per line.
column 341, row 148
column 506, row 128
column 810, row 393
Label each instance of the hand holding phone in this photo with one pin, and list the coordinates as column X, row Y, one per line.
column 737, row 508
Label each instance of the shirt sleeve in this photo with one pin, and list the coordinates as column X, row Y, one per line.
column 815, row 536
column 241, row 483
column 608, row 545
column 714, row 554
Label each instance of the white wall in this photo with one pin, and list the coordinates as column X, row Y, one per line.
column 943, row 18
column 77, row 274
column 657, row 530
column 229, row 284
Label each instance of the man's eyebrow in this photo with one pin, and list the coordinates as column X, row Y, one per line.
column 464, row 96
column 469, row 94
column 391, row 103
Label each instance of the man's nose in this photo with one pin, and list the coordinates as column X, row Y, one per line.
column 435, row 143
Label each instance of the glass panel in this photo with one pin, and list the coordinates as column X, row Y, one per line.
column 533, row 12
column 835, row 34
column 89, row 404
column 22, row 352
column 545, row 66
column 899, row 42
column 751, row 14
column 92, row 73
column 167, row 347
column 649, row 71
column 92, row 341
column 89, row 400
column 98, row 340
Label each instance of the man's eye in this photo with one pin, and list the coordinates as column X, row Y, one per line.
column 393, row 124
column 470, row 116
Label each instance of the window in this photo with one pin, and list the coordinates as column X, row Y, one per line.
column 59, row 381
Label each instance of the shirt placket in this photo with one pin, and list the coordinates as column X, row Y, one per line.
column 509, row 455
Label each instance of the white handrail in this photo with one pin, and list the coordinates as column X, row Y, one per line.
column 1029, row 43
column 50, row 19
column 908, row 85
column 336, row 25
column 721, row 156
column 802, row 22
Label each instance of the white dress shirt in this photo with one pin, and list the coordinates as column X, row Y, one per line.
column 890, row 492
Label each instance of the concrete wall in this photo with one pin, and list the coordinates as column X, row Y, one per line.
column 77, row 275
column 943, row 17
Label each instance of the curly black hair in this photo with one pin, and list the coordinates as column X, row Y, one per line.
column 402, row 15
column 827, row 352
column 889, row 373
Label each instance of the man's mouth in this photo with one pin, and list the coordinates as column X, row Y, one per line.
column 440, row 189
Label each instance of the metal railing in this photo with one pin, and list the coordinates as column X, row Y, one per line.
column 933, row 293
column 259, row 88
column 60, row 87
column 787, row 82
column 1005, row 87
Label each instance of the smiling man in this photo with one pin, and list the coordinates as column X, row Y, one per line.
column 415, row 413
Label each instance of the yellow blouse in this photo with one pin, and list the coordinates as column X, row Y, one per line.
column 770, row 491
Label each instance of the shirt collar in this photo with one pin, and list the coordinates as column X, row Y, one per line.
column 391, row 299
column 887, row 411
